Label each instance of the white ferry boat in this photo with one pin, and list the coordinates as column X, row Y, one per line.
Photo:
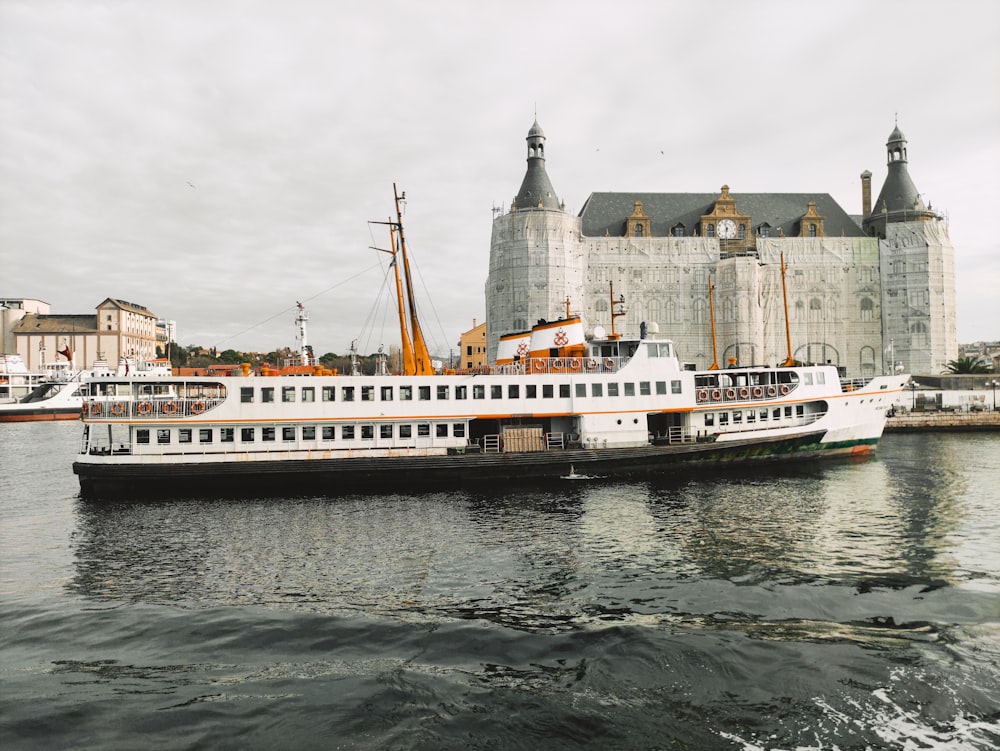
column 556, row 401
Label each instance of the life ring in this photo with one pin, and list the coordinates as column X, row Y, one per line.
column 170, row 408
column 538, row 365
column 94, row 409
column 118, row 409
column 772, row 391
column 197, row 408
column 744, row 392
column 785, row 388
column 144, row 408
column 574, row 363
column 758, row 392
column 591, row 364
column 730, row 393
column 716, row 394
column 702, row 395
column 557, row 364
column 609, row 363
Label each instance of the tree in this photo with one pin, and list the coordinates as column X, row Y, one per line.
column 967, row 365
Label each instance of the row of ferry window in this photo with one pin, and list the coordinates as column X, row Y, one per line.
column 305, row 432
column 752, row 415
column 445, row 391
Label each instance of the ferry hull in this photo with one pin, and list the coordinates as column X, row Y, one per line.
column 336, row 476
column 39, row 414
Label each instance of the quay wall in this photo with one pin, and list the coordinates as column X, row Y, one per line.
column 943, row 421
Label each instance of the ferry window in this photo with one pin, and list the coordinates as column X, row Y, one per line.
column 807, row 379
column 329, row 432
column 612, row 389
column 288, row 393
column 530, row 391
column 547, row 390
column 386, row 394
column 564, row 391
column 329, row 393
column 709, row 419
column 204, row 435
column 776, row 415
column 423, row 393
column 738, row 416
column 385, row 431
column 751, row 415
column 246, row 394
column 423, row 429
column 267, row 394
column 644, row 388
column 723, row 419
column 405, row 431
column 496, row 392
column 347, row 432
column 441, row 430
column 653, row 350
column 461, row 392
column 163, row 435
column 799, row 410
column 581, row 389
column 661, row 387
column 763, row 414
column 142, row 436
column 226, row 435
column 308, row 394
column 367, row 432
column 367, row 393
column 788, row 411
column 267, row 434
column 597, row 389
column 821, row 378
column 309, row 433
column 184, row 435
column 675, row 387
column 405, row 393
column 479, row 391
column 442, row 392
column 513, row 391
column 458, row 430
column 347, row 393
column 629, row 389
column 246, row 435
column 288, row 434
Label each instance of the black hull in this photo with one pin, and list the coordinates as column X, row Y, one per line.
column 334, row 476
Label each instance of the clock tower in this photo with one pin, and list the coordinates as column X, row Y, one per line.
column 727, row 224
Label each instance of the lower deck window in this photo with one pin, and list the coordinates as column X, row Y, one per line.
column 288, row 434
column 142, row 436
column 405, row 431
column 226, row 435
column 204, row 435
column 385, row 431
column 267, row 434
column 163, row 435
column 309, row 433
column 247, row 435
column 441, row 430
column 329, row 432
column 184, row 435
column 347, row 432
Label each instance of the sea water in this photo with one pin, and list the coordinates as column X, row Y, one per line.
column 840, row 605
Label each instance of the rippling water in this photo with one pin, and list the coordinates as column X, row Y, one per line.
column 836, row 606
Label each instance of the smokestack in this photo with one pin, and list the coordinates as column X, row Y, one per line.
column 866, row 194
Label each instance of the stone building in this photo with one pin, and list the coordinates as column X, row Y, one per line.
column 858, row 288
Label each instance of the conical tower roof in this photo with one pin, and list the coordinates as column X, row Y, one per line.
column 536, row 189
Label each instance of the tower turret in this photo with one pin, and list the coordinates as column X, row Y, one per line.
column 899, row 199
column 536, row 189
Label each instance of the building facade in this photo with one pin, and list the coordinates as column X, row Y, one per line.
column 472, row 347
column 118, row 330
column 867, row 294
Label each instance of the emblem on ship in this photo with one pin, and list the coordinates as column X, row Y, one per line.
column 561, row 339
column 522, row 350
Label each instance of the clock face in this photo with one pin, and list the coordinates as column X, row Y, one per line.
column 727, row 229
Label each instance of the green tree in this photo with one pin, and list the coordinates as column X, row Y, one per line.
column 967, row 365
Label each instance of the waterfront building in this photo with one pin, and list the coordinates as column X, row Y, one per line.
column 472, row 347
column 868, row 293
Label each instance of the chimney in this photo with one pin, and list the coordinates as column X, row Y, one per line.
column 866, row 194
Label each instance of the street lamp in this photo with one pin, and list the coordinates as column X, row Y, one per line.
column 994, row 384
column 913, row 394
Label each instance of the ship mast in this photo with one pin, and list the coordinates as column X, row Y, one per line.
column 421, row 357
column 408, row 366
column 789, row 361
column 305, row 355
column 616, row 313
column 711, row 316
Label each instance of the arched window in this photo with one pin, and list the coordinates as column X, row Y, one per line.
column 710, row 231
column 765, row 230
column 678, row 230
column 741, row 232
column 812, row 230
column 867, row 362
column 867, row 309
column 701, row 311
column 638, row 230
column 815, row 310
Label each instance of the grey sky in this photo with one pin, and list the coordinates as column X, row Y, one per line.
column 216, row 161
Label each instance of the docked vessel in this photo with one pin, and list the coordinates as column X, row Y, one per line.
column 557, row 401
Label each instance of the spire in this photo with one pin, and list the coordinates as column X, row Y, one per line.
column 899, row 200
column 536, row 189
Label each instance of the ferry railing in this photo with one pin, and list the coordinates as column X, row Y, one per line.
column 147, row 409
column 561, row 366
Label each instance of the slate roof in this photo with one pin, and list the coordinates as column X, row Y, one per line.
column 605, row 213
column 47, row 323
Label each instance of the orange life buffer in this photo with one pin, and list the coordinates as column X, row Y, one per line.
column 570, row 365
column 715, row 394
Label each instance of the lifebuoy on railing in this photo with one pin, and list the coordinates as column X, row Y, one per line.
column 772, row 391
column 170, row 408
column 557, row 364
column 785, row 389
column 144, row 408
column 609, row 363
column 702, row 395
column 94, row 409
column 744, row 392
column 574, row 363
column 118, row 409
column 591, row 364
column 716, row 394
column 730, row 393
column 197, row 408
column 537, row 365
column 758, row 392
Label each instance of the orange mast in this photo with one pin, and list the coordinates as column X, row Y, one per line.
column 711, row 315
column 421, row 357
column 789, row 361
column 408, row 365
column 613, row 336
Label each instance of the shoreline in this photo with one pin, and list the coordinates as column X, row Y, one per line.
column 943, row 421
